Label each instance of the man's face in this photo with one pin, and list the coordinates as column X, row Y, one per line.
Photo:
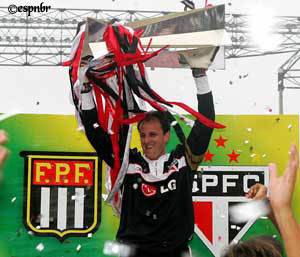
column 153, row 139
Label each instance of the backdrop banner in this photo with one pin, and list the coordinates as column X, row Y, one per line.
column 52, row 190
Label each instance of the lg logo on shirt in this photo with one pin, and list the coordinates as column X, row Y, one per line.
column 170, row 187
column 150, row 190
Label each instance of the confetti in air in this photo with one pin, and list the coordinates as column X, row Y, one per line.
column 13, row 199
column 96, row 125
column 268, row 109
column 104, row 196
column 115, row 249
column 40, row 247
column 174, row 123
column 77, row 197
column 190, row 123
column 264, row 217
column 235, row 241
column 247, row 211
column 80, row 128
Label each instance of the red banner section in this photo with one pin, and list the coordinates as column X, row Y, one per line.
column 204, row 218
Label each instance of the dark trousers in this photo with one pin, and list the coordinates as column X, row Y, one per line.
column 181, row 251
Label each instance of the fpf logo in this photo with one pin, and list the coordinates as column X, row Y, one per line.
column 63, row 193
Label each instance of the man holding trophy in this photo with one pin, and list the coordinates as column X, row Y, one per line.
column 157, row 216
column 152, row 189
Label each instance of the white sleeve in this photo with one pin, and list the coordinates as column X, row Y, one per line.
column 202, row 85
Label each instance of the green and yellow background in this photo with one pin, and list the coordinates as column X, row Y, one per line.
column 258, row 139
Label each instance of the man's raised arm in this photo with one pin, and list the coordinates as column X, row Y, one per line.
column 199, row 137
column 96, row 135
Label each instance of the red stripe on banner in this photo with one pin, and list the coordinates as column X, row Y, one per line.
column 111, row 41
column 99, row 106
column 207, row 122
column 148, row 46
column 125, row 32
column 124, row 59
column 134, row 119
column 142, row 69
column 107, row 75
column 139, row 33
column 155, row 105
column 67, row 63
column 204, row 218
